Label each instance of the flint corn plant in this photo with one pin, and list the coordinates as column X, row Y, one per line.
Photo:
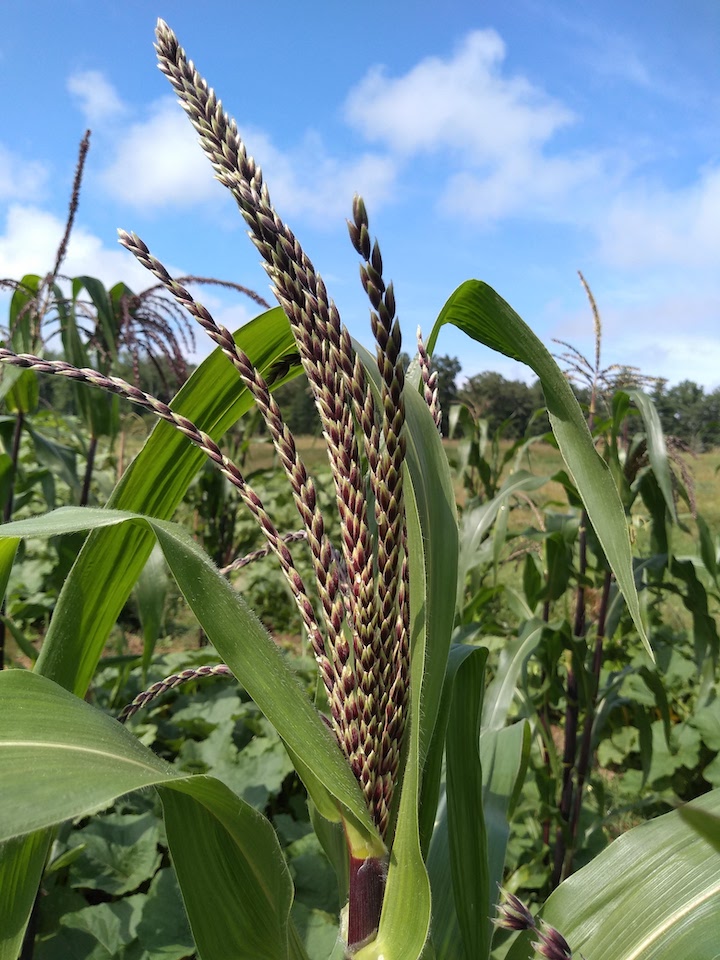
column 398, row 770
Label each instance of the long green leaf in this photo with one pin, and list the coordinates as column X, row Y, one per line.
column 237, row 906
column 433, row 774
column 60, row 758
column 480, row 312
column 477, row 522
column 466, row 822
column 504, row 756
column 656, row 446
column 434, row 832
column 501, row 690
column 708, row 550
column 240, row 639
column 8, row 549
column 23, row 314
column 653, row 894
column 150, row 595
column 103, row 307
column 22, row 860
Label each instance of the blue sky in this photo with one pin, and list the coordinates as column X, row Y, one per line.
column 512, row 142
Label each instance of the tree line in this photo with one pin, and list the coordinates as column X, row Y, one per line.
column 686, row 410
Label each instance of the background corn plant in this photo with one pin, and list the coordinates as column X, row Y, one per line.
column 434, row 846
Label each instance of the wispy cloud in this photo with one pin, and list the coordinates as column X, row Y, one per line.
column 463, row 103
column 29, row 241
column 652, row 225
column 493, row 128
column 97, row 97
column 529, row 185
column 608, row 52
column 20, row 179
column 157, row 162
column 308, row 181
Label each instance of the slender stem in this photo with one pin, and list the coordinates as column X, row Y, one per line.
column 544, row 718
column 17, row 434
column 572, row 708
column 7, row 512
column 92, row 447
column 586, row 743
column 571, row 726
column 121, row 456
column 579, row 624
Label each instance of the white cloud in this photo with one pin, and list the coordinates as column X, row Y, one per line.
column 596, row 47
column 158, row 162
column 20, row 179
column 29, row 245
column 653, row 225
column 98, row 98
column 463, row 103
column 493, row 129
column 308, row 182
column 526, row 184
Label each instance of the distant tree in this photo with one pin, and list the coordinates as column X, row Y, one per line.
column 448, row 369
column 687, row 412
column 495, row 399
column 712, row 436
column 298, row 407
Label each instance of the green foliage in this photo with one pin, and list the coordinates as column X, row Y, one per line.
column 689, row 414
column 506, row 405
column 268, row 827
column 298, row 406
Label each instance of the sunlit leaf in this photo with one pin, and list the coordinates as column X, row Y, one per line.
column 61, row 758
column 653, row 894
column 477, row 309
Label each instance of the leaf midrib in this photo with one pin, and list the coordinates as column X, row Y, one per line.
column 74, row 748
column 669, row 922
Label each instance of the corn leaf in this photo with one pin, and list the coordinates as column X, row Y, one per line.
column 653, row 894
column 656, row 446
column 480, row 312
column 112, row 558
column 21, row 860
column 467, row 836
column 60, row 758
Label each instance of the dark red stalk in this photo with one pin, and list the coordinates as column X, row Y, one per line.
column 566, row 798
column 586, row 743
column 17, row 434
column 7, row 512
column 92, row 447
column 367, row 887
column 571, row 719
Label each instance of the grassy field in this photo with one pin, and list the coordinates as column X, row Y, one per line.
column 541, row 459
